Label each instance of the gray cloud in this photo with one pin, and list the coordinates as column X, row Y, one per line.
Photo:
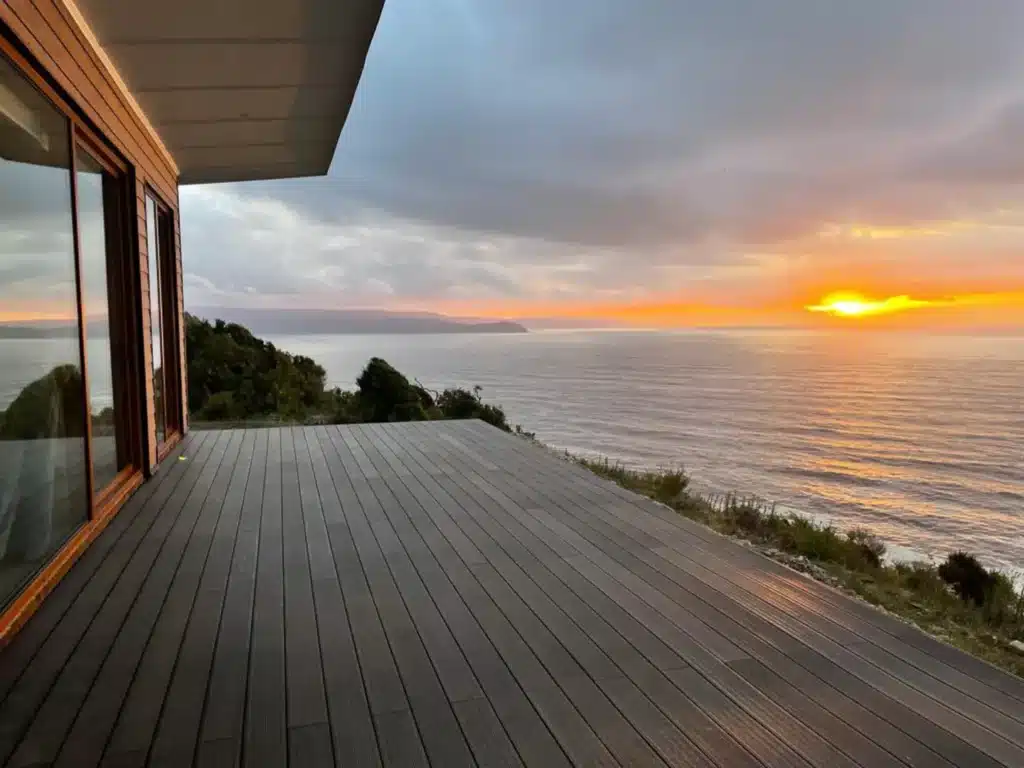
column 519, row 140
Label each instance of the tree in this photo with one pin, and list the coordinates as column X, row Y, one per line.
column 386, row 395
column 463, row 404
column 51, row 406
column 234, row 376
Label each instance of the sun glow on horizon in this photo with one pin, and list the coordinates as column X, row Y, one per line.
column 853, row 305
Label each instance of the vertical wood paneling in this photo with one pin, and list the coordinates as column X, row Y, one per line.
column 44, row 37
column 65, row 56
column 181, row 322
column 147, row 325
column 45, row 29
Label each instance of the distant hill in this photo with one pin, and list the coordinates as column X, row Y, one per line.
column 356, row 321
column 51, row 330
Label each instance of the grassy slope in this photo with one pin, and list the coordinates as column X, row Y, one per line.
column 853, row 561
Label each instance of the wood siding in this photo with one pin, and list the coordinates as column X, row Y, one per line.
column 67, row 57
column 147, row 324
column 46, row 37
column 180, row 293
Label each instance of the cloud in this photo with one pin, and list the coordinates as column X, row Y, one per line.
column 532, row 149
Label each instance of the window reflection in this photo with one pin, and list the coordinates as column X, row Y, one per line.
column 92, row 246
column 43, row 490
column 152, row 247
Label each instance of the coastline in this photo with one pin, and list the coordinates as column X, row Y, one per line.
column 895, row 554
column 976, row 610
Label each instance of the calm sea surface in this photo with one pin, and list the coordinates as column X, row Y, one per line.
column 920, row 439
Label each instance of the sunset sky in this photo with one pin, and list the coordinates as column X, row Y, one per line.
column 693, row 163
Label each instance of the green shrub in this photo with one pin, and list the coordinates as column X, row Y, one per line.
column 745, row 516
column 51, row 406
column 226, row 361
column 918, row 591
column 814, row 542
column 220, row 406
column 967, row 577
column 922, row 578
column 671, row 485
column 235, row 376
column 868, row 547
column 464, row 404
column 385, row 394
column 1004, row 605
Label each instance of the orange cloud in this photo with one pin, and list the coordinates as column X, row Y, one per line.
column 991, row 309
column 34, row 314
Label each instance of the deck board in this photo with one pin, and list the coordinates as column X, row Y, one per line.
column 728, row 567
column 442, row 593
column 376, row 543
column 265, row 734
column 306, row 695
column 221, row 734
column 103, row 609
column 213, row 538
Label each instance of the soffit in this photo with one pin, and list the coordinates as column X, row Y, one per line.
column 240, row 89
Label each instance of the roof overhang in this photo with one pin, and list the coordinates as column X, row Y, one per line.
column 239, row 89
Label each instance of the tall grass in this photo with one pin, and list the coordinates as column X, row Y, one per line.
column 959, row 600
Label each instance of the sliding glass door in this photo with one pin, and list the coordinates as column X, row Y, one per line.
column 98, row 186
column 165, row 372
column 68, row 439
column 43, row 457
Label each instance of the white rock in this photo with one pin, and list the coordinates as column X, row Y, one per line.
column 1017, row 645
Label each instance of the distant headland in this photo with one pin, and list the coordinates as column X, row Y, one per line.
column 356, row 321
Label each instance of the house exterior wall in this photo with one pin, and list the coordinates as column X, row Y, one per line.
column 51, row 33
column 58, row 51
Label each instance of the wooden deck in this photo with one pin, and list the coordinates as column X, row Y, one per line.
column 446, row 594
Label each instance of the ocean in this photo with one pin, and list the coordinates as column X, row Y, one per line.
column 917, row 438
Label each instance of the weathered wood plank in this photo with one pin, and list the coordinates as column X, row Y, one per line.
column 348, row 710
column 221, row 734
column 559, row 665
column 310, row 746
column 699, row 640
column 178, row 730
column 137, row 721
column 523, row 725
column 19, row 653
column 400, row 744
column 683, row 550
column 384, row 690
column 442, row 737
column 576, row 738
column 117, row 678
column 90, row 626
column 307, row 699
column 944, row 662
column 443, row 593
column 701, row 729
column 265, row 740
column 744, row 729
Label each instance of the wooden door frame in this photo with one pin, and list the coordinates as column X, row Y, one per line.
column 120, row 237
column 123, row 307
column 82, row 134
column 167, row 296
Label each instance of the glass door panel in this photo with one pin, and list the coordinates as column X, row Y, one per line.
column 155, row 317
column 163, row 306
column 97, row 224
column 43, row 466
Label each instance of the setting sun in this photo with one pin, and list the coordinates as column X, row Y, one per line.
column 856, row 305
